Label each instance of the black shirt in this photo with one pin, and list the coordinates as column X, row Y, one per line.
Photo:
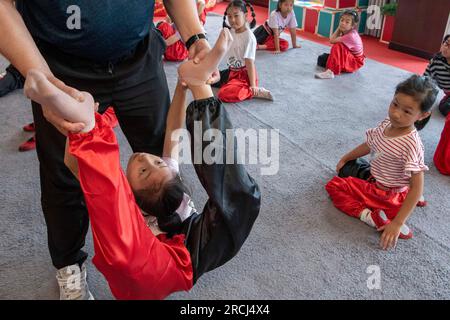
column 95, row 29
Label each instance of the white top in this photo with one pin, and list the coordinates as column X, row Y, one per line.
column 243, row 47
column 394, row 159
column 276, row 20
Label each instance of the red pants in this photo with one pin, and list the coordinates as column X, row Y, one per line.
column 136, row 264
column 442, row 154
column 342, row 60
column 270, row 43
column 237, row 87
column 352, row 195
column 177, row 51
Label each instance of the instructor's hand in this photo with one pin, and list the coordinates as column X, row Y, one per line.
column 198, row 52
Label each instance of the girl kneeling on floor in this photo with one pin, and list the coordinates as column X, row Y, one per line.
column 240, row 81
column 347, row 52
column 268, row 34
column 395, row 176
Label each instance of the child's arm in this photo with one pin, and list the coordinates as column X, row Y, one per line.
column 70, row 161
column 250, row 64
column 175, row 120
column 392, row 230
column 276, row 39
column 336, row 37
column 294, row 38
column 360, row 151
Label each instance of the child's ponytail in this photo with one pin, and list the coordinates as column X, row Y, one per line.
column 252, row 10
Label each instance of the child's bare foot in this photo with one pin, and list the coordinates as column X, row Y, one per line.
column 197, row 74
column 39, row 89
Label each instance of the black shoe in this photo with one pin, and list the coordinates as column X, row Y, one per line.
column 12, row 80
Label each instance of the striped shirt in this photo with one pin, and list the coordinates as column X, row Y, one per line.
column 394, row 159
column 439, row 70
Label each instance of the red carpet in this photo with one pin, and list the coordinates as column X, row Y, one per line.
column 374, row 49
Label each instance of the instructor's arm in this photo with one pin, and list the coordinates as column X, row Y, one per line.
column 17, row 45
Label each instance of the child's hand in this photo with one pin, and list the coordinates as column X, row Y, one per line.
column 296, row 45
column 254, row 90
column 276, row 52
column 340, row 164
column 390, row 235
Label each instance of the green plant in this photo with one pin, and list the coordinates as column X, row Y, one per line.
column 389, row 9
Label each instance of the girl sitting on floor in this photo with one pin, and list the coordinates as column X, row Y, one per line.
column 175, row 48
column 268, row 34
column 240, row 81
column 347, row 52
column 439, row 70
column 137, row 263
column 395, row 176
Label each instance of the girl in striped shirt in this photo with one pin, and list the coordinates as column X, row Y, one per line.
column 384, row 193
column 439, row 70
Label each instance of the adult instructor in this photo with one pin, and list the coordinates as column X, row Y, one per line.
column 110, row 49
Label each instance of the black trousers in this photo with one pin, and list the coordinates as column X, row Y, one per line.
column 224, row 75
column 136, row 87
column 11, row 81
column 444, row 106
column 216, row 235
column 261, row 34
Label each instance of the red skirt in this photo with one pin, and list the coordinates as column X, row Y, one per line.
column 237, row 87
column 352, row 195
column 270, row 43
column 442, row 154
column 342, row 60
column 177, row 51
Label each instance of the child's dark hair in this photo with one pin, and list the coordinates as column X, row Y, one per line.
column 243, row 6
column 446, row 38
column 280, row 2
column 424, row 90
column 353, row 14
column 163, row 204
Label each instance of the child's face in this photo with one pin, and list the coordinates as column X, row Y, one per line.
column 287, row 7
column 146, row 170
column 236, row 18
column 404, row 111
column 445, row 49
column 346, row 23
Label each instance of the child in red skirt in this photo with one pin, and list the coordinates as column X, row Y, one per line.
column 395, row 187
column 442, row 154
column 347, row 52
column 175, row 48
column 240, row 81
column 268, row 34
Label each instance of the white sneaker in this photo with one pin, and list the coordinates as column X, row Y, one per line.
column 263, row 93
column 325, row 75
column 73, row 283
